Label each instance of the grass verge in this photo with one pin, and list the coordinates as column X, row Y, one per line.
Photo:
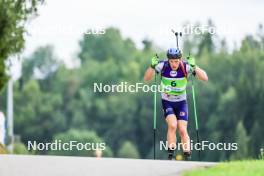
column 234, row 168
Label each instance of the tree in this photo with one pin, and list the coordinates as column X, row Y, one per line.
column 106, row 46
column 242, row 141
column 128, row 150
column 40, row 64
column 206, row 43
column 13, row 15
column 147, row 44
column 256, row 139
column 41, row 117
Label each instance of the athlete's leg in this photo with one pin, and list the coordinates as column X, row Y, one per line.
column 185, row 139
column 182, row 114
column 171, row 134
column 171, row 120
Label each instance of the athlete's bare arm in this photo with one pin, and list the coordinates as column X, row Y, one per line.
column 201, row 74
column 149, row 74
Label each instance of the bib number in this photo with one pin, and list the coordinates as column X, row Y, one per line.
column 173, row 83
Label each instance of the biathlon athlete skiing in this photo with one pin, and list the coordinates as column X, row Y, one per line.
column 174, row 73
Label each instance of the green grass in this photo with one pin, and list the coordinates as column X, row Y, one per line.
column 234, row 168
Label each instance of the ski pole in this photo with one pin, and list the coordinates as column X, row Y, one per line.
column 154, row 122
column 155, row 117
column 196, row 118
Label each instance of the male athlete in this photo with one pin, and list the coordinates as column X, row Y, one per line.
column 174, row 73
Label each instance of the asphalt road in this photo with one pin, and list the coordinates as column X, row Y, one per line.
column 22, row 165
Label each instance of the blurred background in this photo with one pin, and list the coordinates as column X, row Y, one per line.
column 53, row 52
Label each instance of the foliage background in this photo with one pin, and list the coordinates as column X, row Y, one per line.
column 54, row 102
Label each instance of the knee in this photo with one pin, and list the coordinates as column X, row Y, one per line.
column 172, row 127
column 183, row 132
